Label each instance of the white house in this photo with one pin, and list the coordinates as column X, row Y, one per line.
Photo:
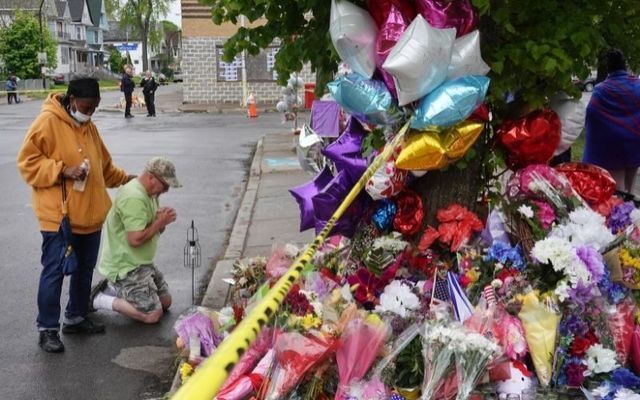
column 60, row 28
column 129, row 45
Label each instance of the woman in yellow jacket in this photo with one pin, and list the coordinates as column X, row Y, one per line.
column 63, row 146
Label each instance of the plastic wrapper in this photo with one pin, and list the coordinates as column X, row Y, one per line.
column 372, row 389
column 531, row 139
column 250, row 358
column 438, row 354
column 540, row 320
column 620, row 320
column 250, row 383
column 594, row 184
column 198, row 325
column 295, row 355
column 359, row 347
column 634, row 357
column 399, row 344
column 280, row 260
column 472, row 357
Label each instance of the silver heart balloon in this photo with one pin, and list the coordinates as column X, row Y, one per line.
column 308, row 149
column 419, row 62
column 466, row 58
column 353, row 33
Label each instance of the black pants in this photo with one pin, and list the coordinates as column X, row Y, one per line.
column 14, row 96
column 149, row 100
column 127, row 108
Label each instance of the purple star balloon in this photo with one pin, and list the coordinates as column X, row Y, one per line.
column 346, row 152
column 304, row 194
column 327, row 201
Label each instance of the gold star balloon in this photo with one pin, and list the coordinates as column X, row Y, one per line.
column 434, row 149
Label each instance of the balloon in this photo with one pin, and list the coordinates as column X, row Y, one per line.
column 431, row 150
column 382, row 218
column 380, row 9
column 388, row 36
column 592, row 183
column 304, row 196
column 420, row 60
column 353, row 33
column 451, row 102
column 346, row 151
column 282, row 106
column 327, row 201
column 386, row 182
column 408, row 218
column 367, row 99
column 531, row 139
column 457, row 14
column 572, row 115
column 309, row 149
column 466, row 58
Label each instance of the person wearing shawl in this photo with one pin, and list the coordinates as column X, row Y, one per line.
column 63, row 147
column 613, row 123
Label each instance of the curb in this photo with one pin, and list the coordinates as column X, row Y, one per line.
column 215, row 295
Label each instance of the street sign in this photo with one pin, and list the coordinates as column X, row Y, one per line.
column 42, row 58
column 127, row 47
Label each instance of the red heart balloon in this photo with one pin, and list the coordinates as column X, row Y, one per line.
column 379, row 10
column 531, row 139
column 594, row 184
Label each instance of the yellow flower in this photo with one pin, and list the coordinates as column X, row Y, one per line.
column 628, row 260
column 185, row 371
column 473, row 275
column 310, row 321
column 373, row 319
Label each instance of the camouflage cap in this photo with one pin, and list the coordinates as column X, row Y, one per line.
column 164, row 169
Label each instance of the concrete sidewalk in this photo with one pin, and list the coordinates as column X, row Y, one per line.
column 268, row 214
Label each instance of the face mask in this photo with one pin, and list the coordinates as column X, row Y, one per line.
column 80, row 117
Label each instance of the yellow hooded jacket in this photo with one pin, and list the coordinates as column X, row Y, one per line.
column 56, row 140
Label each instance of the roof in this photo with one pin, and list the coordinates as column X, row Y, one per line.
column 95, row 8
column 118, row 34
column 60, row 7
column 76, row 7
column 27, row 5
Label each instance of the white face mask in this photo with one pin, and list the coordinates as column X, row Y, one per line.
column 80, row 117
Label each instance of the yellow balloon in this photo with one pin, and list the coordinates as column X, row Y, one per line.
column 433, row 149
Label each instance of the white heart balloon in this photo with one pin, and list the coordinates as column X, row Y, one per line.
column 419, row 62
column 466, row 58
column 353, row 33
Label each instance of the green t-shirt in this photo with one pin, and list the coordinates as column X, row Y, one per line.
column 133, row 210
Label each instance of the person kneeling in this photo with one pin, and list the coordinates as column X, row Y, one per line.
column 134, row 286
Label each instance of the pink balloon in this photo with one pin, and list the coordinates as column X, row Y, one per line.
column 441, row 14
column 380, row 9
column 388, row 36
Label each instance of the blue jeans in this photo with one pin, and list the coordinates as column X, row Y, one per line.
column 51, row 278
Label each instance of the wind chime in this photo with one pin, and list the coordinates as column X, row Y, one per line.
column 192, row 257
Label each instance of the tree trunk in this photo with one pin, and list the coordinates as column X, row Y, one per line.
column 439, row 189
column 145, row 41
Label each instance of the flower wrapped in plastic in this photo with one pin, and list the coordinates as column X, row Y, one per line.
column 295, row 355
column 198, row 326
column 438, row 348
column 253, row 355
column 472, row 356
column 620, row 321
column 358, row 348
column 249, row 383
column 540, row 319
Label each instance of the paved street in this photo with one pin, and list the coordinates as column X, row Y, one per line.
column 131, row 361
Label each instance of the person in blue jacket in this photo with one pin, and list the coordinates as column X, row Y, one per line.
column 612, row 123
column 11, row 86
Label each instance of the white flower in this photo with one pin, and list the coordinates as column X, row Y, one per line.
column 291, row 250
column 601, row 360
column 601, row 391
column 626, row 394
column 585, row 226
column 526, row 210
column 496, row 283
column 345, row 292
column 562, row 290
column 225, row 315
column 391, row 242
column 635, row 216
column 398, row 298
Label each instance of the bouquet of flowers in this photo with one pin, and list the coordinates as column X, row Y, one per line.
column 439, row 344
column 472, row 355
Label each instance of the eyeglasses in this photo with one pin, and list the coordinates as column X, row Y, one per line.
column 165, row 185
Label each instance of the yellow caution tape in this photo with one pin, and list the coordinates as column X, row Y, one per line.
column 212, row 373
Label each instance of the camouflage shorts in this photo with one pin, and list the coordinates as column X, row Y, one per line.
column 142, row 287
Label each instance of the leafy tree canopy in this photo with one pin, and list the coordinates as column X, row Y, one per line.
column 533, row 47
column 20, row 45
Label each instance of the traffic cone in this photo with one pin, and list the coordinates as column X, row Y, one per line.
column 252, row 109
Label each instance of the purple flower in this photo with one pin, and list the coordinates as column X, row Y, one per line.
column 575, row 373
column 573, row 325
column 620, row 218
column 593, row 260
column 581, row 294
column 615, row 292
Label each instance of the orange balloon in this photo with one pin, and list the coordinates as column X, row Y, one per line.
column 433, row 149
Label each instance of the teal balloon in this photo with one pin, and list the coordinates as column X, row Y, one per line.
column 451, row 102
column 368, row 100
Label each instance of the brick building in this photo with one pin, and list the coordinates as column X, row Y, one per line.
column 209, row 80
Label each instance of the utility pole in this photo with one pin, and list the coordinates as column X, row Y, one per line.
column 244, row 70
column 42, row 56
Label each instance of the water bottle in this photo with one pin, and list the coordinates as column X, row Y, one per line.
column 78, row 185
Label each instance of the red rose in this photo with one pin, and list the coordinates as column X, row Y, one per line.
column 579, row 346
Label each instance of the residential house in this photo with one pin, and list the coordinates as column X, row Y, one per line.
column 81, row 56
column 129, row 43
column 60, row 28
column 95, row 33
column 210, row 80
column 8, row 9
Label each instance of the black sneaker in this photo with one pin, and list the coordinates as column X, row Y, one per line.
column 50, row 342
column 86, row 327
column 99, row 287
column 128, row 116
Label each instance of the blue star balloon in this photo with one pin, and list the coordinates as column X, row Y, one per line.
column 451, row 102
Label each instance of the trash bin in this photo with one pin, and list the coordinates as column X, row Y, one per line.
column 309, row 95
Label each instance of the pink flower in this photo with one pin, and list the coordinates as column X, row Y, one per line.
column 545, row 213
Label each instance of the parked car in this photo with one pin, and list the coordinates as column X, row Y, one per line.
column 162, row 79
column 58, row 79
column 177, row 76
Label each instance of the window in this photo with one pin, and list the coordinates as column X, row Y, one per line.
column 259, row 68
column 78, row 33
column 64, row 55
column 136, row 62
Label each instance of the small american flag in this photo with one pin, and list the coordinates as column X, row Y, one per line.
column 396, row 396
column 441, row 291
